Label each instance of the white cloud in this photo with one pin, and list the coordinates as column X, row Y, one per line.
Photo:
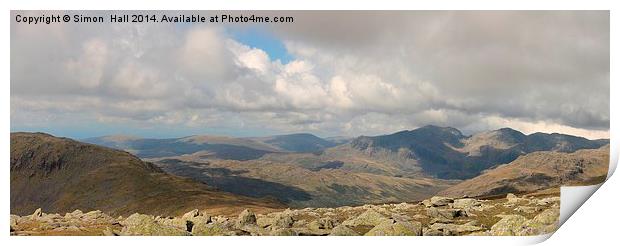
column 366, row 75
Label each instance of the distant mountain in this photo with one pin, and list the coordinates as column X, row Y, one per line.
column 444, row 152
column 220, row 147
column 338, row 140
column 209, row 146
column 538, row 170
column 300, row 142
column 61, row 175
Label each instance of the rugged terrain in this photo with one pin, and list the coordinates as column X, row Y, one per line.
column 303, row 170
column 538, row 170
column 61, row 175
column 300, row 187
column 531, row 214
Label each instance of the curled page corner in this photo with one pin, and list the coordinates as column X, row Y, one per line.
column 572, row 197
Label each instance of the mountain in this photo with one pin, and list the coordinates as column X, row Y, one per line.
column 538, row 170
column 209, row 146
column 444, row 152
column 300, row 142
column 61, row 175
column 219, row 147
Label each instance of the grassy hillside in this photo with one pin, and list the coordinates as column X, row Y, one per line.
column 59, row 174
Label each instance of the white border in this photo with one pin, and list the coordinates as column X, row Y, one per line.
column 605, row 211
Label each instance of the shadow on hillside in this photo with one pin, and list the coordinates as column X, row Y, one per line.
column 228, row 180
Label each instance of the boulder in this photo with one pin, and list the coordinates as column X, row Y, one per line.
column 438, row 201
column 396, row 228
column 37, row 214
column 14, row 220
column 284, row 232
column 545, row 222
column 213, row 229
column 144, row 225
column 454, row 229
column 368, row 218
column 283, row 221
column 342, row 230
column 322, row 224
column 245, row 218
column 509, row 225
column 465, row 203
column 445, row 213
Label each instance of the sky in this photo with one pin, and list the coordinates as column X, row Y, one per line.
column 330, row 73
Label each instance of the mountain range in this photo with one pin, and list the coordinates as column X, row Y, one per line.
column 296, row 170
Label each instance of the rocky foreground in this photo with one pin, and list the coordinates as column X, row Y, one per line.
column 531, row 214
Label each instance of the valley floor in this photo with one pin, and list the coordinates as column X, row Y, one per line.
column 529, row 214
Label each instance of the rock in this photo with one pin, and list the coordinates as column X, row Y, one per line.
column 419, row 217
column 441, row 220
column 403, row 206
column 37, row 213
column 265, row 221
column 14, row 220
column 509, row 225
column 465, row 203
column 432, row 232
column 474, row 223
column 548, row 200
column 396, row 228
column 109, row 232
column 191, row 214
column 454, row 229
column 427, row 203
column 96, row 217
column 513, row 199
column 342, row 230
column 543, row 223
column 75, row 214
column 283, row 221
column 322, row 224
column 245, row 218
column 368, row 218
column 212, row 229
column 445, row 213
column 284, row 232
column 139, row 224
column 438, row 201
column 526, row 209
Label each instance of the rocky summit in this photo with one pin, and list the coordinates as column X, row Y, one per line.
column 529, row 214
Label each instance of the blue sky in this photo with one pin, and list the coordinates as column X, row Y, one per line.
column 261, row 38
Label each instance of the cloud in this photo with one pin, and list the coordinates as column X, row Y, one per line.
column 351, row 73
